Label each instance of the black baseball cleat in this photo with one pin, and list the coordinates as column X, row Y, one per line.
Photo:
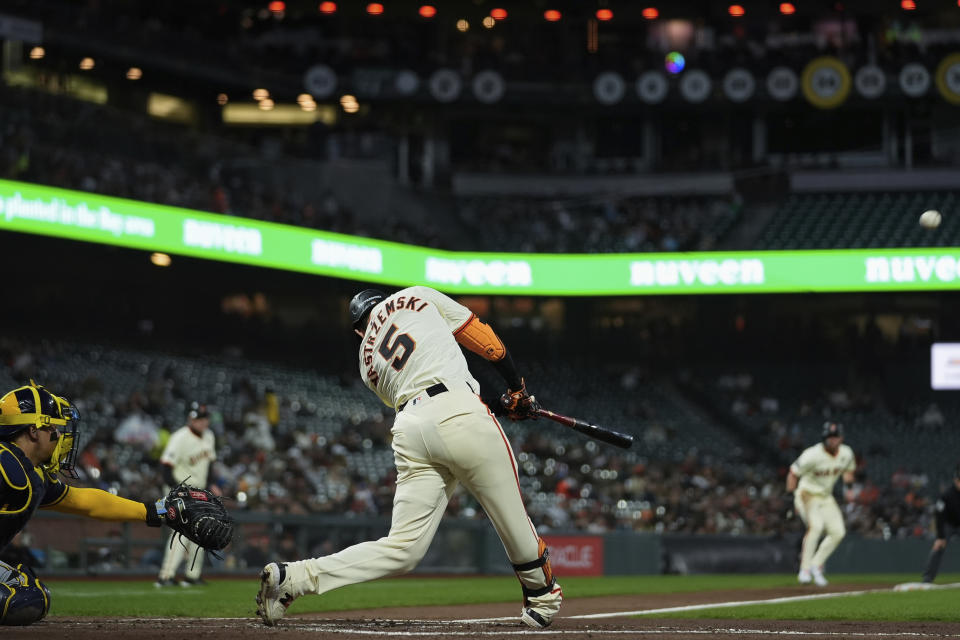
column 273, row 598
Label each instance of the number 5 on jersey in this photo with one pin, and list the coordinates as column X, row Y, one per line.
column 402, row 341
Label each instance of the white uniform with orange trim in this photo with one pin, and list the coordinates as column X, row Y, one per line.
column 813, row 501
column 440, row 437
column 190, row 456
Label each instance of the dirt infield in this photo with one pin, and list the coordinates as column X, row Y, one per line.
column 490, row 621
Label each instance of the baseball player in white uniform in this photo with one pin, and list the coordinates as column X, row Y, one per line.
column 812, row 477
column 443, row 435
column 186, row 458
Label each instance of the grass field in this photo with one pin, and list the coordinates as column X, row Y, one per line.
column 930, row 606
column 235, row 597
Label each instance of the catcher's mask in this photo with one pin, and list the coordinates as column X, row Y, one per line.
column 362, row 303
column 831, row 430
column 32, row 405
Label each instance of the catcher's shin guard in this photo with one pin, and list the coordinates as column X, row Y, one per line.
column 541, row 593
column 23, row 598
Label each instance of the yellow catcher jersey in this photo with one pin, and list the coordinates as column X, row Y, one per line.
column 190, row 455
column 409, row 345
column 818, row 470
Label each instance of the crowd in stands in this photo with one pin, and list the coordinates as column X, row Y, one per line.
column 608, row 225
column 46, row 139
column 318, row 444
column 895, row 476
column 63, row 142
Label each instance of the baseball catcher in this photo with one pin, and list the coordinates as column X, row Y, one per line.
column 39, row 437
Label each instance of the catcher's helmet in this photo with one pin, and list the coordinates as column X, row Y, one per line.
column 361, row 304
column 832, row 430
column 32, row 405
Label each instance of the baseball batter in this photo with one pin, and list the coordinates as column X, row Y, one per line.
column 188, row 454
column 812, row 476
column 443, row 435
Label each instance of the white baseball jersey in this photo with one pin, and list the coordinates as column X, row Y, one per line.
column 818, row 470
column 409, row 345
column 190, row 455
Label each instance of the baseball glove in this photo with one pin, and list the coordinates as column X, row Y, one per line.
column 519, row 404
column 199, row 516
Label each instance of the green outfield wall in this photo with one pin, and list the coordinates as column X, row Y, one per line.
column 88, row 217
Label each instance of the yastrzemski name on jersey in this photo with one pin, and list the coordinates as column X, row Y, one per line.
column 410, row 345
column 385, row 310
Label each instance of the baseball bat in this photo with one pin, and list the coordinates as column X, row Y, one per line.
column 615, row 438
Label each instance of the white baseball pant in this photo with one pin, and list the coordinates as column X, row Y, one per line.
column 437, row 442
column 821, row 515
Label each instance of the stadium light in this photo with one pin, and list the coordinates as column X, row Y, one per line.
column 428, row 11
column 160, row 259
column 37, row 53
column 375, row 9
column 651, row 13
column 134, row 73
column 604, row 15
column 87, row 63
column 266, row 104
column 488, row 22
column 908, row 5
column 787, row 8
column 260, row 94
column 349, row 103
column 277, row 7
column 222, row 99
column 736, row 10
column 498, row 14
column 463, row 26
column 552, row 15
column 328, row 7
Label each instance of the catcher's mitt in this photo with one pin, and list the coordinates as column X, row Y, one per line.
column 199, row 516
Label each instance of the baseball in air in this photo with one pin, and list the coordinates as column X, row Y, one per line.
column 930, row 219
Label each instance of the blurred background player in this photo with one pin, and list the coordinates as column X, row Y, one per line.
column 443, row 435
column 38, row 438
column 812, row 477
column 946, row 523
column 187, row 458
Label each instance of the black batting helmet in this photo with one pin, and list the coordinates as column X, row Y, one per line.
column 831, row 430
column 198, row 410
column 361, row 304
